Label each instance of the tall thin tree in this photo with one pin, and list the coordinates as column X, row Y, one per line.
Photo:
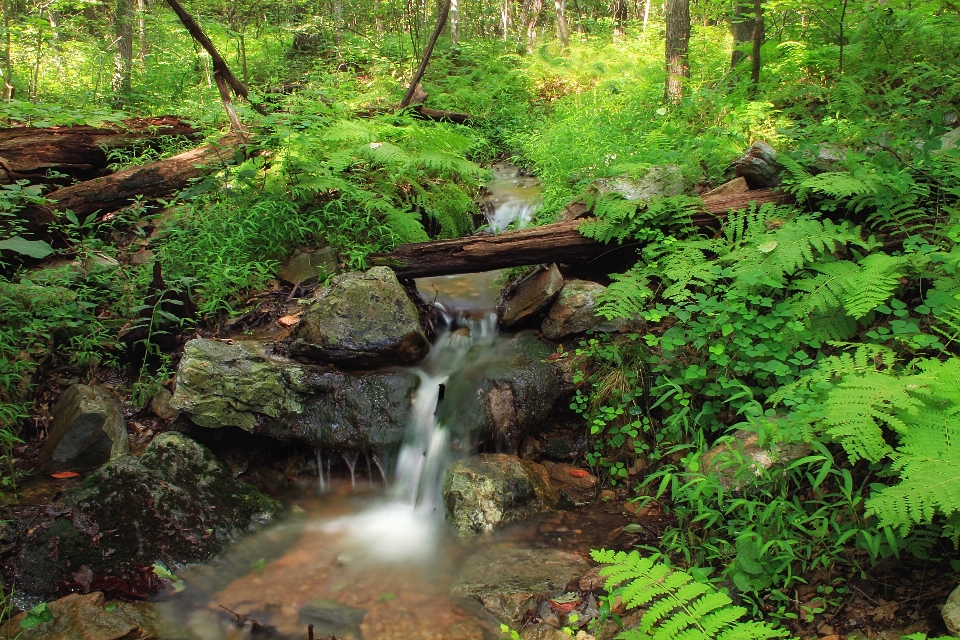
column 677, row 48
column 560, row 6
column 425, row 59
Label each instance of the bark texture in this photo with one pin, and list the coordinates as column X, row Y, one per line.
column 559, row 242
column 677, row 48
column 441, row 22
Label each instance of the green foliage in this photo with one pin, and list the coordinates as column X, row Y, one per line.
column 36, row 616
column 677, row 605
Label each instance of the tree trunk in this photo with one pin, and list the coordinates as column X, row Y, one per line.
column 78, row 151
column 741, row 28
column 562, row 22
column 123, row 60
column 757, row 40
column 155, row 180
column 219, row 65
column 559, row 242
column 619, row 17
column 8, row 87
column 646, row 15
column 441, row 21
column 455, row 22
column 535, row 7
column 677, row 48
column 142, row 29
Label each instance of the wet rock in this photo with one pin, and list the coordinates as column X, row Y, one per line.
column 503, row 394
column 951, row 612
column 658, row 181
column 574, row 312
column 543, row 632
column 306, row 266
column 574, row 487
column 724, row 459
column 238, row 384
column 950, row 140
column 364, row 320
column 759, row 166
column 85, row 617
column 176, row 503
column 88, row 429
column 737, row 185
column 508, row 581
column 558, row 448
column 330, row 617
column 531, row 295
column 161, row 407
column 484, row 493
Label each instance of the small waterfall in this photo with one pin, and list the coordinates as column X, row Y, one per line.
column 426, row 452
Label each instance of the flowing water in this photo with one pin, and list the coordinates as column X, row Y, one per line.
column 356, row 559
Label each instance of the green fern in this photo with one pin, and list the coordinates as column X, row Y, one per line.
column 679, row 608
column 626, row 296
column 878, row 279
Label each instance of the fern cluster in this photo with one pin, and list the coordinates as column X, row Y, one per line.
column 677, row 606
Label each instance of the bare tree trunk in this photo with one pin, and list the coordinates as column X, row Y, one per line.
column 677, row 48
column 562, row 22
column 741, row 27
column 757, row 40
column 646, row 15
column 504, row 19
column 441, row 22
column 142, row 29
column 619, row 16
column 219, row 66
column 7, row 8
column 535, row 7
column 123, row 60
column 36, row 66
column 455, row 22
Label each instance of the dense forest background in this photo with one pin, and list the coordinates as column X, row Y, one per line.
column 830, row 324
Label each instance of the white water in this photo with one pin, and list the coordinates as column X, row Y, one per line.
column 515, row 197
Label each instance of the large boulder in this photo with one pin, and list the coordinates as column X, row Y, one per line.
column 503, row 393
column 574, row 311
column 88, row 429
column 738, row 460
column 951, row 612
column 531, row 295
column 507, row 580
column 237, row 384
column 759, row 166
column 175, row 503
column 484, row 493
column 658, row 181
column 362, row 320
column 85, row 617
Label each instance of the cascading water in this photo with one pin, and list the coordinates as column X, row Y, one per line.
column 515, row 197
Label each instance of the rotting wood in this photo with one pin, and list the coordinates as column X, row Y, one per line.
column 155, row 180
column 559, row 242
column 79, row 151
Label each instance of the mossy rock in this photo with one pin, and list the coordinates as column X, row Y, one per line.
column 175, row 503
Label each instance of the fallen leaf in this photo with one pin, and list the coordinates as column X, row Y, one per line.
column 60, row 475
column 289, row 321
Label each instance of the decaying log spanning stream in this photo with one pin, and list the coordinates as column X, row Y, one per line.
column 79, row 151
column 154, row 180
column 559, row 242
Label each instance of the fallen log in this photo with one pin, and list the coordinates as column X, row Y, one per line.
column 421, row 112
column 558, row 242
column 155, row 180
column 79, row 151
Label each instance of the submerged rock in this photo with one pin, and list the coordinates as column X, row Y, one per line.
column 508, row 581
column 503, row 394
column 531, row 295
column 574, row 311
column 332, row 618
column 491, row 490
column 220, row 384
column 88, row 429
column 85, row 617
column 176, row 503
column 363, row 320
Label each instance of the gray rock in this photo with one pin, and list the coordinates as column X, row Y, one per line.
column 306, row 266
column 220, row 384
column 725, row 460
column 330, row 617
column 175, row 503
column 160, row 405
column 658, row 181
column 507, row 580
column 503, row 394
column 88, row 429
column 530, row 296
column 759, row 166
column 484, row 493
column 951, row 612
column 950, row 140
column 574, row 312
column 363, row 319
column 85, row 616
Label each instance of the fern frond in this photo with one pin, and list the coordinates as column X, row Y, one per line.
column 680, row 608
column 626, row 296
column 878, row 278
column 838, row 184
